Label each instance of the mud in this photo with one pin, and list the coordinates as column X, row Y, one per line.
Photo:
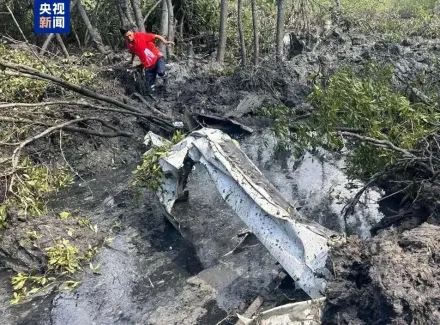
column 23, row 252
column 390, row 279
column 151, row 274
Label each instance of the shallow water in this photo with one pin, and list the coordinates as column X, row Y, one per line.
column 154, row 274
column 316, row 184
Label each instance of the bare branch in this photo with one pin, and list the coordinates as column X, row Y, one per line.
column 27, row 42
column 20, row 120
column 75, row 103
column 151, row 10
column 386, row 143
column 84, row 91
column 66, row 126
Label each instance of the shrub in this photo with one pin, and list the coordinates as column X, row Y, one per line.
column 23, row 89
column 367, row 102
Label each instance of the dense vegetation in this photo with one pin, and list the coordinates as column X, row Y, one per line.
column 197, row 21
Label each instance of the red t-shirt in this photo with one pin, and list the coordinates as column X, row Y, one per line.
column 143, row 46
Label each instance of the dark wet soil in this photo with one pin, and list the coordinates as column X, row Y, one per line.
column 151, row 274
column 390, row 279
column 150, row 270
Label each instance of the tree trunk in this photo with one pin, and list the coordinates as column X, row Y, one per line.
column 124, row 12
column 182, row 22
column 280, row 30
column 222, row 31
column 63, row 47
column 129, row 12
column 337, row 11
column 151, row 10
column 51, row 35
column 138, row 14
column 164, row 25
column 240, row 32
column 76, row 35
column 46, row 43
column 170, row 27
column 120, row 13
column 255, row 27
column 96, row 37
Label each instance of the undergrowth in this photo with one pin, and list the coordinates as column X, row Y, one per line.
column 65, row 258
column 149, row 174
column 22, row 89
column 28, row 194
column 367, row 103
column 393, row 19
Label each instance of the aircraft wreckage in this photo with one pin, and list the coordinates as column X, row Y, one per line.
column 301, row 246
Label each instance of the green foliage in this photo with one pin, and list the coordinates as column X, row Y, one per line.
column 25, row 285
column 33, row 237
column 64, row 260
column 31, row 90
column 149, row 174
column 64, row 215
column 63, row 257
column 204, row 16
column 366, row 100
column 283, row 117
column 95, row 268
column 3, row 215
column 34, row 183
column 85, row 222
column 395, row 19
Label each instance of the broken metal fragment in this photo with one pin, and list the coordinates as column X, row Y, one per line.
column 301, row 246
column 301, row 313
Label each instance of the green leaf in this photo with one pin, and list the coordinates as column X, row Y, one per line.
column 64, row 215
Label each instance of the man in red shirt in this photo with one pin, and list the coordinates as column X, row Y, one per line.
column 143, row 45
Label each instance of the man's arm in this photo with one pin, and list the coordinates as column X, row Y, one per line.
column 163, row 40
column 132, row 58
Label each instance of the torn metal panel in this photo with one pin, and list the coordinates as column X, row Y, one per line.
column 301, row 313
column 299, row 245
column 227, row 124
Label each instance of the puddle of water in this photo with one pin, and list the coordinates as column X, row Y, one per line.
column 318, row 186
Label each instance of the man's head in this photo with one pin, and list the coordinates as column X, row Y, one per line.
column 127, row 32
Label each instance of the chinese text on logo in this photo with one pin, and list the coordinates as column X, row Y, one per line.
column 52, row 16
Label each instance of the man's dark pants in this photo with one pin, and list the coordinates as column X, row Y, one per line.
column 157, row 69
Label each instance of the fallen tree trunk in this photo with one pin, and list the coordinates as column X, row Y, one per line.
column 96, row 37
column 84, row 91
column 151, row 10
column 73, row 103
column 51, row 35
column 63, row 47
column 46, row 43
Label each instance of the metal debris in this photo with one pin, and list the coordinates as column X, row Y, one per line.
column 301, row 313
column 299, row 245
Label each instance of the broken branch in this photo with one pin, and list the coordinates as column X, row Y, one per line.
column 25, row 70
column 151, row 10
column 76, row 103
column 386, row 143
column 27, row 42
column 65, row 126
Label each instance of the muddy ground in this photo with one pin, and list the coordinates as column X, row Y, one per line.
column 153, row 274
